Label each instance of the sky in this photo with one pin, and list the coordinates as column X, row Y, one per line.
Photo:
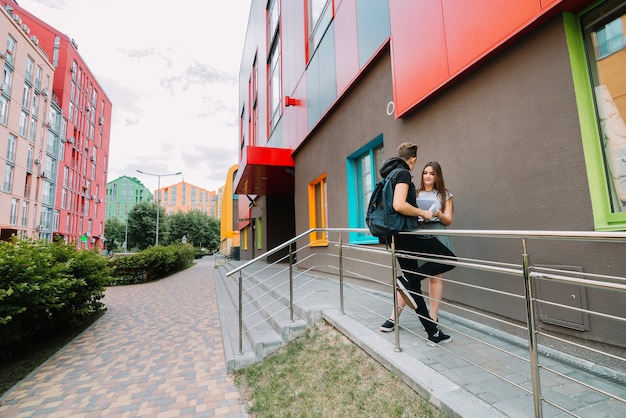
column 171, row 71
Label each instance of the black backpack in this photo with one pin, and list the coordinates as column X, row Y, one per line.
column 382, row 220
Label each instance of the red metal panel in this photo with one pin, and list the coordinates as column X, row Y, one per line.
column 475, row 27
column 418, row 50
column 266, row 171
column 547, row 3
column 346, row 47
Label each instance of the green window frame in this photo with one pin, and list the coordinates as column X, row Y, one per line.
column 604, row 176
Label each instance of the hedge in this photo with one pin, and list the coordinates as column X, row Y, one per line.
column 44, row 286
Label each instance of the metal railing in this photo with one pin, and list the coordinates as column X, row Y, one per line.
column 349, row 255
column 220, row 257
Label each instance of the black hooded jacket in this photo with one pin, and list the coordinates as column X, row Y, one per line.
column 403, row 176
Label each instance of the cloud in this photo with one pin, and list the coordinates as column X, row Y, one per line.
column 53, row 4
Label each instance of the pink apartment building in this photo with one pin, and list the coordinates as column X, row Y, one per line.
column 79, row 209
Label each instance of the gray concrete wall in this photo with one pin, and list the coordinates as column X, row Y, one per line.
column 508, row 139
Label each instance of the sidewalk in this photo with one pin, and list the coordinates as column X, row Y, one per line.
column 463, row 378
column 157, row 352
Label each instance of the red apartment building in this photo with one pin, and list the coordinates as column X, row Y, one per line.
column 79, row 212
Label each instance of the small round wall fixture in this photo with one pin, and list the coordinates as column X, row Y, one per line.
column 390, row 108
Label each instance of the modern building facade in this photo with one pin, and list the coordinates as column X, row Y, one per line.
column 521, row 102
column 79, row 211
column 122, row 194
column 30, row 123
column 185, row 197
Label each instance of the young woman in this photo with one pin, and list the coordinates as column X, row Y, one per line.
column 433, row 195
column 409, row 287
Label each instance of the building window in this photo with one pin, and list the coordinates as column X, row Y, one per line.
column 11, row 148
column 609, row 39
column 10, row 50
column 318, row 211
column 319, row 17
column 362, row 175
column 23, row 123
column 596, row 77
column 273, row 65
column 601, row 99
column 4, row 108
column 26, row 97
column 24, row 214
column 38, row 78
column 13, row 215
column 30, row 66
column 7, row 185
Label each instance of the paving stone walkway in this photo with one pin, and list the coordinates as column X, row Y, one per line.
column 157, row 352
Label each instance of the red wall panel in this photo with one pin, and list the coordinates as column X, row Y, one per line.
column 418, row 50
column 346, row 47
column 434, row 41
column 474, row 27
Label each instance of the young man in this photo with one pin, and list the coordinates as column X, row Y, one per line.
column 409, row 286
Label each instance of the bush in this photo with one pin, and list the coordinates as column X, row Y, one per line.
column 44, row 286
column 152, row 263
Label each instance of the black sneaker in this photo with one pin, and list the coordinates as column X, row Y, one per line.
column 403, row 288
column 438, row 338
column 387, row 326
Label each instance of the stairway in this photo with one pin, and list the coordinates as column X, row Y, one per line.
column 267, row 325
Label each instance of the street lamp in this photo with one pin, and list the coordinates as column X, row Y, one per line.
column 158, row 176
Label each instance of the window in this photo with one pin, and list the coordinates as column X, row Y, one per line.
column 319, row 17
column 26, row 97
column 33, row 130
column 13, row 215
column 23, row 123
column 599, row 67
column 11, row 149
column 7, row 185
column 273, row 65
column 362, row 174
column 7, row 79
column 38, row 78
column 609, row 39
column 35, row 107
column 30, row 158
column 30, row 65
column 24, row 214
column 55, row 221
column 318, row 211
column 10, row 50
column 4, row 108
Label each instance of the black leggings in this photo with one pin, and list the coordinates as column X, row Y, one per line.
column 415, row 273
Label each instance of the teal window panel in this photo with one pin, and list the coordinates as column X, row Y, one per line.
column 373, row 27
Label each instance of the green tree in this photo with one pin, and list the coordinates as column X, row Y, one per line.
column 114, row 232
column 200, row 229
column 142, row 225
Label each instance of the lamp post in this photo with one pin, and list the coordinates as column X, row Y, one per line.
column 158, row 176
column 126, row 237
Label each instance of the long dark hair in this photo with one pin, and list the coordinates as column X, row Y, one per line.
column 440, row 184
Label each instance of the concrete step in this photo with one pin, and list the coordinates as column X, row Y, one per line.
column 266, row 325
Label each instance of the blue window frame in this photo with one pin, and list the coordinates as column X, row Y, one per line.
column 362, row 169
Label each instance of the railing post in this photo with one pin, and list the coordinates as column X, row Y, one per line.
column 341, row 275
column 290, row 283
column 395, row 294
column 532, row 336
column 240, row 313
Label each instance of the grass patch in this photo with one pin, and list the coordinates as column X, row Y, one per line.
column 323, row 374
column 31, row 355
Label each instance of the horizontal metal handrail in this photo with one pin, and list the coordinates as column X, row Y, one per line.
column 523, row 270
